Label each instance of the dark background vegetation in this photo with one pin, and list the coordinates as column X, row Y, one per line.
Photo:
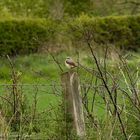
column 60, row 8
column 27, row 23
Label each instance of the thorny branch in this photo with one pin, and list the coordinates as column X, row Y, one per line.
column 56, row 61
column 107, row 88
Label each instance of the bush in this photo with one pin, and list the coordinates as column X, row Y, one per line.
column 122, row 31
column 134, row 24
column 24, row 36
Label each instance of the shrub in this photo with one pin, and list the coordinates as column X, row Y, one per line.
column 20, row 36
column 122, row 31
column 134, row 24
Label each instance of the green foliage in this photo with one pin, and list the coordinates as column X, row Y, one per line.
column 133, row 122
column 77, row 7
column 123, row 31
column 24, row 36
column 26, row 8
column 58, row 8
column 134, row 24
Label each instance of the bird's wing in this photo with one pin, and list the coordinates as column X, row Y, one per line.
column 70, row 62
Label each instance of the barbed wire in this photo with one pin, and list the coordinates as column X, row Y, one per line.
column 31, row 85
column 60, row 85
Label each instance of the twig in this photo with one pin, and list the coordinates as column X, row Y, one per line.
column 107, row 88
column 55, row 60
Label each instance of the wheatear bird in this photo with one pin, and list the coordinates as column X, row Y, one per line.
column 70, row 63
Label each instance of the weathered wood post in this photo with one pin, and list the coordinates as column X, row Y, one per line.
column 73, row 103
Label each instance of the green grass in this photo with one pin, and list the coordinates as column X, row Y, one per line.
column 36, row 69
column 41, row 69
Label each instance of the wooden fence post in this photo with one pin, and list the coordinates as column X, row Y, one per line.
column 73, row 103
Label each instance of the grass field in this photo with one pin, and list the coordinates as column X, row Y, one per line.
column 40, row 74
column 41, row 69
